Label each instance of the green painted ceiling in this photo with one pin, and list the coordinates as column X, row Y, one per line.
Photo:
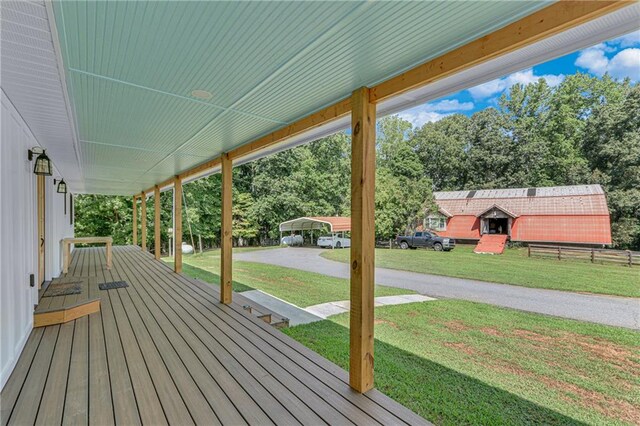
column 131, row 67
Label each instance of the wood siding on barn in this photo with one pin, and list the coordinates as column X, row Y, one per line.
column 562, row 214
column 562, row 229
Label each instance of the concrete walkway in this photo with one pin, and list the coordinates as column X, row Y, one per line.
column 609, row 310
column 322, row 311
column 325, row 310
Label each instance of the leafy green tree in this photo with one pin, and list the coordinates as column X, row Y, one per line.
column 401, row 187
column 442, row 148
column 400, row 203
column 525, row 112
column 104, row 215
column 202, row 209
column 491, row 151
column 310, row 180
column 244, row 224
column 612, row 147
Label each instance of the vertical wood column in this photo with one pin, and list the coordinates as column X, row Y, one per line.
column 143, row 222
column 363, row 164
column 226, row 237
column 156, row 222
column 177, row 225
column 135, row 220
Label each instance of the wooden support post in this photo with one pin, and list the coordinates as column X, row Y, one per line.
column 156, row 222
column 135, row 220
column 177, row 225
column 143, row 222
column 109, row 255
column 363, row 164
column 226, row 237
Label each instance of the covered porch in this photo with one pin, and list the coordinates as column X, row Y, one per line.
column 164, row 350
column 137, row 98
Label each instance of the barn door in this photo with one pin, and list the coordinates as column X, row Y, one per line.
column 41, row 229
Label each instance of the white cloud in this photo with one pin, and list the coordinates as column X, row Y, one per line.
column 448, row 105
column 625, row 63
column 419, row 118
column 593, row 59
column 434, row 111
column 487, row 89
column 495, row 87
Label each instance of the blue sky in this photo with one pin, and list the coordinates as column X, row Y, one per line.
column 619, row 57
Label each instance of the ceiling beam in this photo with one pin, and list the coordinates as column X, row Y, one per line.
column 317, row 119
column 164, row 184
column 201, row 169
column 544, row 23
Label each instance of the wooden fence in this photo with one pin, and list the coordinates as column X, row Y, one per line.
column 625, row 257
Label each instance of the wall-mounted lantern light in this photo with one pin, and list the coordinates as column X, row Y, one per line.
column 43, row 164
column 62, row 187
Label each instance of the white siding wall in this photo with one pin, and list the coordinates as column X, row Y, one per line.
column 18, row 235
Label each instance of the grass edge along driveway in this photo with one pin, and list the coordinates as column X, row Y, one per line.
column 458, row 362
column 512, row 267
column 292, row 285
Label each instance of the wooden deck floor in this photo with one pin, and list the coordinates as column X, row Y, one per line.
column 164, row 351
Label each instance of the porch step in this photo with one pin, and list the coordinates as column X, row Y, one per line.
column 55, row 316
column 255, row 309
column 264, row 317
column 491, row 243
column 261, row 312
column 283, row 323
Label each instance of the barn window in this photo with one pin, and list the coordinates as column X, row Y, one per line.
column 437, row 222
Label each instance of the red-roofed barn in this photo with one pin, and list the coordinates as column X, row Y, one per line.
column 560, row 215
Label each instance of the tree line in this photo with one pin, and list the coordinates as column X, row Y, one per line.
column 585, row 130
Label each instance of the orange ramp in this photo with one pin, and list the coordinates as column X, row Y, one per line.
column 491, row 243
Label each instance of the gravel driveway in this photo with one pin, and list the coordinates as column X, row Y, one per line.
column 609, row 310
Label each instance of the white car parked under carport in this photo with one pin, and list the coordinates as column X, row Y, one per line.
column 334, row 241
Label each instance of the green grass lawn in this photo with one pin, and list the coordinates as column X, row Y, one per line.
column 456, row 362
column 298, row 287
column 512, row 267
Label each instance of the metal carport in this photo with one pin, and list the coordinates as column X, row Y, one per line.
column 335, row 223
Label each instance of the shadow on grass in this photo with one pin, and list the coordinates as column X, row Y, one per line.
column 439, row 394
column 210, row 277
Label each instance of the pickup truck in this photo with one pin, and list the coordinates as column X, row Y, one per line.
column 427, row 240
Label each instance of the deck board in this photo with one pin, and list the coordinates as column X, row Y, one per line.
column 125, row 401
column 202, row 363
column 76, row 401
column 25, row 409
column 13, row 387
column 148, row 355
column 233, row 365
column 165, row 351
column 53, row 396
column 100, row 405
